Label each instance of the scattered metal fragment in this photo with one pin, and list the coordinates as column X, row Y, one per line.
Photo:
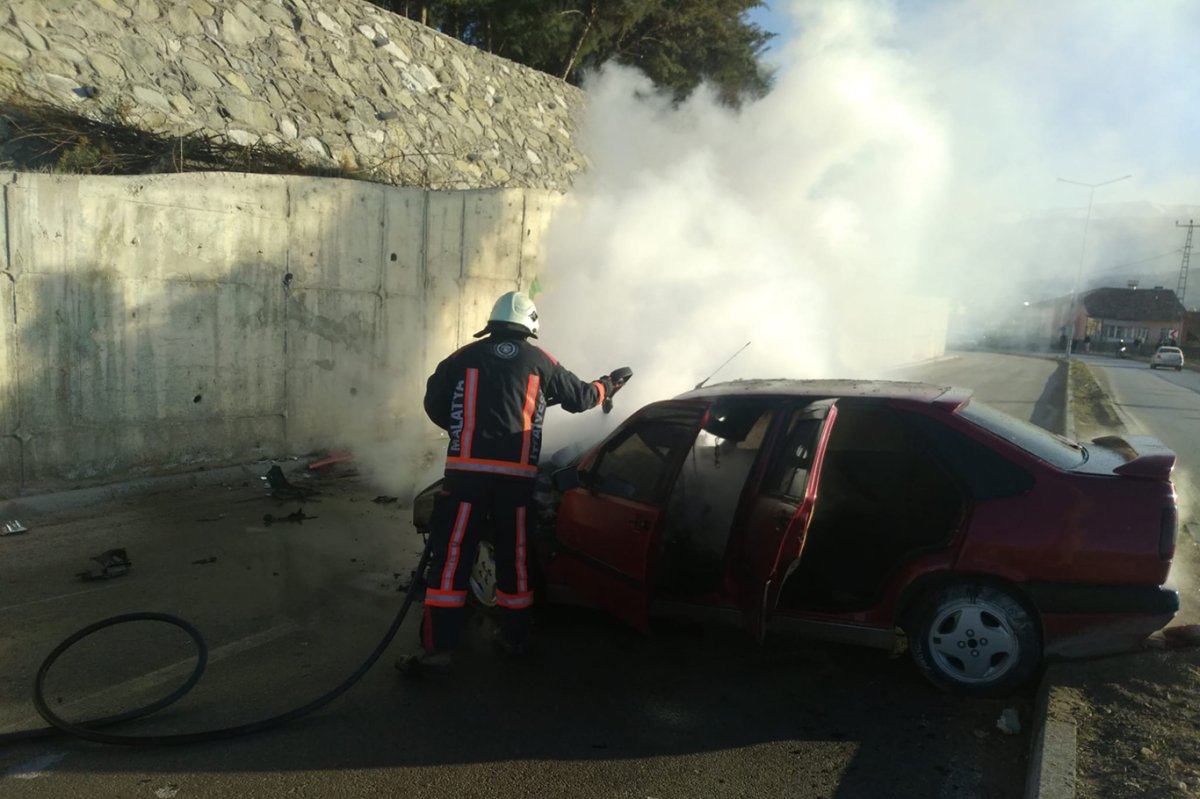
column 280, row 488
column 298, row 517
column 12, row 527
column 383, row 499
column 203, row 561
column 113, row 563
column 330, row 460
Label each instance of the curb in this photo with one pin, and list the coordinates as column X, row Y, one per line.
column 1051, row 773
column 1068, row 413
column 50, row 502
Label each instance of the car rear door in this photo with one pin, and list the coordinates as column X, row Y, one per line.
column 773, row 535
column 610, row 526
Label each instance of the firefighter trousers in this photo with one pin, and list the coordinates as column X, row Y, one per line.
column 471, row 508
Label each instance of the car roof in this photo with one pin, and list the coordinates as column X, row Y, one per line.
column 881, row 389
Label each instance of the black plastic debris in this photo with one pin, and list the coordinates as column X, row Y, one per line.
column 112, row 563
column 203, row 561
column 383, row 499
column 12, row 527
column 299, row 517
column 280, row 488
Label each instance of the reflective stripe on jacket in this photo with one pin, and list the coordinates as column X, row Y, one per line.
column 491, row 397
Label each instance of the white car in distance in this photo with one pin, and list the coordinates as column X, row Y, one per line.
column 1171, row 357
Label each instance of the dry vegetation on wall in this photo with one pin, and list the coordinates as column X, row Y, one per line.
column 44, row 138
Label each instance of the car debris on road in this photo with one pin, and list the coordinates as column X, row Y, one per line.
column 113, row 563
column 280, row 488
column 1009, row 722
column 298, row 517
column 12, row 527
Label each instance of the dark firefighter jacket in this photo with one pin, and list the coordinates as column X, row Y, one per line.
column 491, row 397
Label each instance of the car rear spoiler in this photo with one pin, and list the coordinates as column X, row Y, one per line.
column 1145, row 456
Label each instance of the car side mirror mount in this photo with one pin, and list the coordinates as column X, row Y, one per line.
column 568, row 478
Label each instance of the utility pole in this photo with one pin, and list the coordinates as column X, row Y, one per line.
column 1091, row 187
column 1181, row 289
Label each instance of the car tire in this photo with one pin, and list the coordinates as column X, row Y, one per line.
column 975, row 639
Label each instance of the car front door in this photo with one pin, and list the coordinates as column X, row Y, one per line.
column 610, row 526
column 773, row 536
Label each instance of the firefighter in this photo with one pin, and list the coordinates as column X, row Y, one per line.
column 491, row 397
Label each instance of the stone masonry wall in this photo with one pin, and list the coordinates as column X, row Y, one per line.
column 341, row 83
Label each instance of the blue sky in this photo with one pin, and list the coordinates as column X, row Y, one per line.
column 772, row 21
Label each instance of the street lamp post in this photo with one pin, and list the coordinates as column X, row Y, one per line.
column 1082, row 250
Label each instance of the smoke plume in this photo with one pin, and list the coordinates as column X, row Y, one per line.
column 904, row 169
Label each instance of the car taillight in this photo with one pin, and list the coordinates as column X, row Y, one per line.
column 1166, row 533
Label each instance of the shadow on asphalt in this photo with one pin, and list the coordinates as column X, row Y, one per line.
column 823, row 720
column 1048, row 410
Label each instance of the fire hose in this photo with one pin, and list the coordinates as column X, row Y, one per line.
column 90, row 730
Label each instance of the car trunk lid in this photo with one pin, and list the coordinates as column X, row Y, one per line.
column 1140, row 457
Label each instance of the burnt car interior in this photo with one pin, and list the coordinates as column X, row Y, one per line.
column 894, row 484
column 883, row 497
column 706, row 495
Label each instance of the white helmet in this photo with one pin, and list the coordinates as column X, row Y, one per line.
column 514, row 308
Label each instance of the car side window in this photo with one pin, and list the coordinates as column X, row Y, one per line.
column 788, row 474
column 638, row 463
column 985, row 473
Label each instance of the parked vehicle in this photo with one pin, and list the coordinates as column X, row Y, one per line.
column 1171, row 357
column 856, row 511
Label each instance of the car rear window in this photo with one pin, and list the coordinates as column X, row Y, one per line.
column 1170, row 351
column 1040, row 443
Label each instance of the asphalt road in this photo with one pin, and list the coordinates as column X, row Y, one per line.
column 596, row 711
column 1162, row 403
column 1025, row 386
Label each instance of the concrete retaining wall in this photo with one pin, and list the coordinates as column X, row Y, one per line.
column 154, row 324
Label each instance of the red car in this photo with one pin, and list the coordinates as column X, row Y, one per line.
column 859, row 512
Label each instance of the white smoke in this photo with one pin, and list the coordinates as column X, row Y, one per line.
column 903, row 153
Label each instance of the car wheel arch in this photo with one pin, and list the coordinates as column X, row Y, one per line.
column 936, row 619
column 919, row 590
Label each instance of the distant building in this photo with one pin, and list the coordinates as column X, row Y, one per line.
column 1106, row 316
